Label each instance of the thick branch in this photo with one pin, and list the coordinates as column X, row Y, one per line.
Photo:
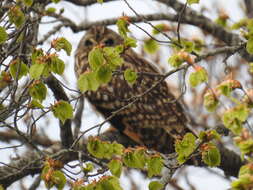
column 41, row 140
column 66, row 132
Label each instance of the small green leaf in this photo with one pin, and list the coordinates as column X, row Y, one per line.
column 211, row 156
column 88, row 167
column 155, row 166
column 130, row 76
column 35, row 104
column 160, row 27
column 155, row 185
column 249, row 45
column 87, row 81
column 62, row 43
column 95, row 58
column 28, row 3
column 59, row 179
column 185, row 147
column 109, row 183
column 112, row 56
column 151, row 46
column 103, row 149
column 241, row 23
column 3, row 35
column 62, row 110
column 135, row 159
column 55, row 1
column 198, row 77
column 16, row 16
column 192, row 1
column 57, row 65
column 115, row 167
column 38, row 91
column 187, row 45
column 130, row 42
column 36, row 70
column 175, row 60
column 18, row 69
column 233, row 118
column 50, row 10
column 122, row 25
column 104, row 74
column 246, row 146
column 210, row 101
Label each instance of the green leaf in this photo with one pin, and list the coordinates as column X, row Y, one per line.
column 36, row 55
column 18, row 69
column 233, row 118
column 3, row 35
column 151, row 46
column 36, row 70
column 59, row 179
column 187, row 45
column 112, row 56
column 88, row 167
column 62, row 110
column 104, row 74
column 115, row 167
column 192, row 1
column 249, row 45
column 130, row 42
column 175, row 60
column 35, row 104
column 88, row 81
column 62, row 43
column 101, row 149
column 100, row 1
column 38, row 91
column 155, row 185
column 55, row 1
column 246, row 146
column 16, row 16
column 57, row 65
column 135, row 159
column 109, row 183
column 211, row 156
column 210, row 101
column 198, row 77
column 95, row 58
column 185, row 147
column 228, row 86
column 50, row 10
column 130, row 76
column 28, row 3
column 155, row 166
column 122, row 25
column 161, row 27
column 241, row 23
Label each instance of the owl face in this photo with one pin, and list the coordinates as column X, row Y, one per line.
column 95, row 36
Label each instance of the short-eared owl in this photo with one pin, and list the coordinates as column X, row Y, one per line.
column 156, row 118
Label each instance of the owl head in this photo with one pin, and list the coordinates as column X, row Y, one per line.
column 96, row 35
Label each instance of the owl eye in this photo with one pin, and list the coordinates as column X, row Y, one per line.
column 88, row 43
column 109, row 42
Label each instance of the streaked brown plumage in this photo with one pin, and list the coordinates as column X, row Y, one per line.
column 154, row 120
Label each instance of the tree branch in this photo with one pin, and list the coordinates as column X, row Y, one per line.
column 66, row 132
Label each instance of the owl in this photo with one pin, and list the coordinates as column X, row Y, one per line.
column 156, row 119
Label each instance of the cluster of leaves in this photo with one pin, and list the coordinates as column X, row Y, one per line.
column 52, row 175
column 190, row 145
column 130, row 157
